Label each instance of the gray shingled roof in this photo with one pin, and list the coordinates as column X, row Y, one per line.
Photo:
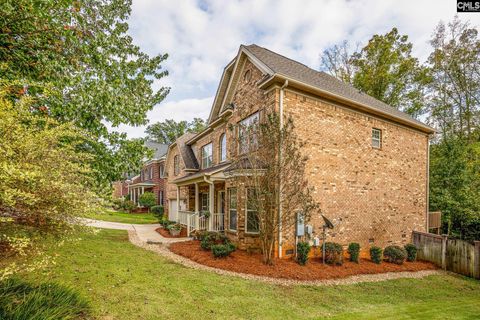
column 300, row 72
column 186, row 151
column 159, row 149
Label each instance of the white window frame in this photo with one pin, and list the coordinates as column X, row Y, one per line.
column 246, row 129
column 207, row 159
column 161, row 169
column 247, row 210
column 230, row 209
column 223, row 147
column 204, row 196
column 376, row 138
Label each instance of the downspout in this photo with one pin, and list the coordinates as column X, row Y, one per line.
column 280, row 239
column 428, row 185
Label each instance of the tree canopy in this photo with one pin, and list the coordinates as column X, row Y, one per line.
column 77, row 63
column 169, row 130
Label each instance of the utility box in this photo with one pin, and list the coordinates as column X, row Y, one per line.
column 300, row 225
column 309, row 229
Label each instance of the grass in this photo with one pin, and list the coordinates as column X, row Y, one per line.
column 124, row 217
column 126, row 282
column 21, row 300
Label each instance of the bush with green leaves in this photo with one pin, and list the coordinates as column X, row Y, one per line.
column 223, row 250
column 303, row 249
column 212, row 238
column 147, row 200
column 22, row 300
column 354, row 251
column 376, row 254
column 333, row 253
column 395, row 254
column 157, row 211
column 128, row 206
column 411, row 252
column 165, row 222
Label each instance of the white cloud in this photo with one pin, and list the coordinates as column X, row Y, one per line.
column 201, row 37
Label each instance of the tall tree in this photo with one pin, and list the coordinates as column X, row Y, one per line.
column 76, row 60
column 455, row 89
column 169, row 130
column 384, row 69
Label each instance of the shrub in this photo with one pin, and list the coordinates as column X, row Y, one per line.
column 223, row 250
column 376, row 254
column 354, row 251
column 117, row 204
column 174, row 226
column 212, row 238
column 303, row 248
column 165, row 222
column 411, row 252
column 128, row 206
column 22, row 300
column 157, row 211
column 333, row 253
column 395, row 254
column 147, row 200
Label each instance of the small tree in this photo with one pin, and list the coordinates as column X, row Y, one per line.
column 274, row 167
column 147, row 200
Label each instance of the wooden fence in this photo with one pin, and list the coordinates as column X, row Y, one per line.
column 451, row 254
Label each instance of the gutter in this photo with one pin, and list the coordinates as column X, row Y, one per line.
column 282, row 93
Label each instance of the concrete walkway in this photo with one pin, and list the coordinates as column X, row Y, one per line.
column 145, row 232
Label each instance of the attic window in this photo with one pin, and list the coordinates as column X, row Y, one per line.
column 247, row 76
column 376, row 138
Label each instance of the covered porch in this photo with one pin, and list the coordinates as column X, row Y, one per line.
column 205, row 205
column 137, row 189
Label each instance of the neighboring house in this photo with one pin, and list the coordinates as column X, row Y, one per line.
column 368, row 162
column 150, row 179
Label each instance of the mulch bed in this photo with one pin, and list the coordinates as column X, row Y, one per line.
column 166, row 234
column 243, row 262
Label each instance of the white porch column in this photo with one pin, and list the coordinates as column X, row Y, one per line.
column 197, row 205
column 211, row 205
column 178, row 202
column 133, row 195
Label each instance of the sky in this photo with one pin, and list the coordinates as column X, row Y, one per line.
column 201, row 37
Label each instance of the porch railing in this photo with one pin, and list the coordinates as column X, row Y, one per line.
column 194, row 221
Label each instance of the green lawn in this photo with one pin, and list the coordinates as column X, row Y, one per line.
column 126, row 282
column 124, row 217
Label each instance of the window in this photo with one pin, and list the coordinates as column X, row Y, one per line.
column 247, row 76
column 247, row 133
column 204, row 202
column 176, row 165
column 252, row 214
column 223, row 147
column 150, row 173
column 376, row 138
column 160, row 171
column 207, row 156
column 160, row 197
column 232, row 209
column 141, row 175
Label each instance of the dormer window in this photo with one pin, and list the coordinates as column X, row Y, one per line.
column 223, row 147
column 207, row 156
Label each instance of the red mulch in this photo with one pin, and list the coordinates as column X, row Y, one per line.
column 243, row 262
column 165, row 233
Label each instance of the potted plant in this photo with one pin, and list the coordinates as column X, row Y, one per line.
column 205, row 213
column 174, row 229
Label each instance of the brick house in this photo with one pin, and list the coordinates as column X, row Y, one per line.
column 368, row 162
column 150, row 179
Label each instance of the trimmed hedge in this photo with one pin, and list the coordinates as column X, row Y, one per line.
column 157, row 212
column 411, row 252
column 395, row 254
column 376, row 254
column 223, row 250
column 212, row 238
column 354, row 251
column 333, row 253
column 303, row 248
